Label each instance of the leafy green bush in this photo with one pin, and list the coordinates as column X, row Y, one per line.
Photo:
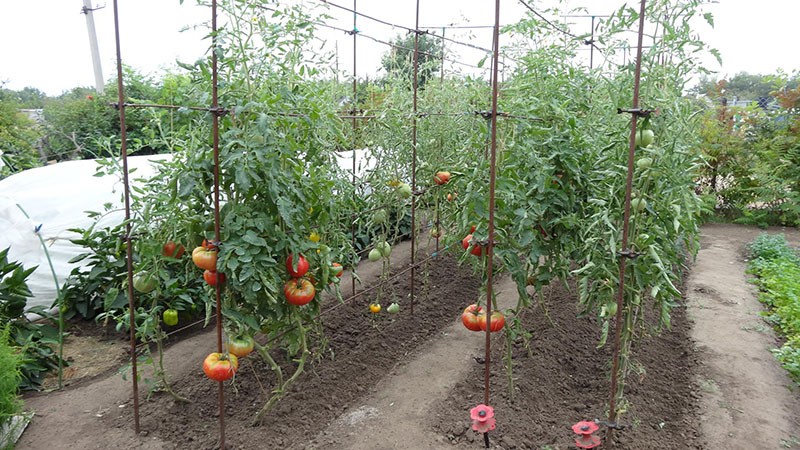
column 33, row 341
column 778, row 269
column 9, row 378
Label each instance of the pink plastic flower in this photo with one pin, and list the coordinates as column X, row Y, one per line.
column 482, row 418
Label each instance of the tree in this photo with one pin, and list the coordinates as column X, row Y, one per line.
column 745, row 86
column 400, row 59
column 18, row 138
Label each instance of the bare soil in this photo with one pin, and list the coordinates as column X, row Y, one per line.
column 407, row 382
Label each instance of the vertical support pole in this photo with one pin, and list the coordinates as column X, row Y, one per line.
column 618, row 320
column 215, row 137
column 355, row 139
column 492, row 183
column 591, row 47
column 99, row 83
column 441, row 58
column 414, row 162
column 128, row 246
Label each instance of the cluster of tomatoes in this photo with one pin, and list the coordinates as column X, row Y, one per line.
column 298, row 290
column 205, row 257
column 223, row 366
column 474, row 318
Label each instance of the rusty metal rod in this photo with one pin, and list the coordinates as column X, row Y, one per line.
column 618, row 320
column 128, row 245
column 217, row 236
column 492, row 185
column 414, row 160
column 355, row 128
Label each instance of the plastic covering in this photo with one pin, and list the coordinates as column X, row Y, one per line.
column 56, row 198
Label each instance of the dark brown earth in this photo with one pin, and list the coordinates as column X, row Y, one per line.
column 563, row 380
column 352, row 398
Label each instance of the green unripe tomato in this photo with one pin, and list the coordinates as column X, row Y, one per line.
column 144, row 282
column 611, row 308
column 394, row 308
column 404, row 191
column 375, row 255
column 638, row 204
column 644, row 138
column 379, row 217
column 644, row 163
column 385, row 249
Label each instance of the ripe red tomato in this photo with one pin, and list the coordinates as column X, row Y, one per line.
column 302, row 266
column 337, row 269
column 213, row 277
column 241, row 346
column 497, row 322
column 220, row 367
column 205, row 258
column 299, row 291
column 476, row 250
column 441, row 178
column 173, row 250
column 470, row 317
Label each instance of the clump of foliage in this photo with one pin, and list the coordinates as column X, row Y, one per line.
column 777, row 267
column 9, row 379
column 18, row 137
column 752, row 154
column 34, row 341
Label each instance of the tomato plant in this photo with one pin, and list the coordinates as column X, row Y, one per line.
column 299, row 291
column 205, row 258
column 220, row 366
column 497, row 322
column 470, row 317
column 301, row 268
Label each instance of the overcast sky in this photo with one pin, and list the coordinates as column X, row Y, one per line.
column 45, row 42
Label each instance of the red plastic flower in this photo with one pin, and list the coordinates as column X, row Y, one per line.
column 482, row 418
column 586, row 429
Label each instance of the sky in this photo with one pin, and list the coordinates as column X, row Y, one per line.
column 46, row 43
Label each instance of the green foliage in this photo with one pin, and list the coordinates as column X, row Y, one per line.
column 743, row 86
column 753, row 157
column 18, row 138
column 9, row 378
column 33, row 341
column 777, row 267
column 399, row 61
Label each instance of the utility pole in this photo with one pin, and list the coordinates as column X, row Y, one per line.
column 98, row 70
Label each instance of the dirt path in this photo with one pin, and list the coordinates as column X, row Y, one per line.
column 398, row 416
column 746, row 402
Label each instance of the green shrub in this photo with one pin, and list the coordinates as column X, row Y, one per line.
column 778, row 269
column 9, row 378
column 33, row 342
